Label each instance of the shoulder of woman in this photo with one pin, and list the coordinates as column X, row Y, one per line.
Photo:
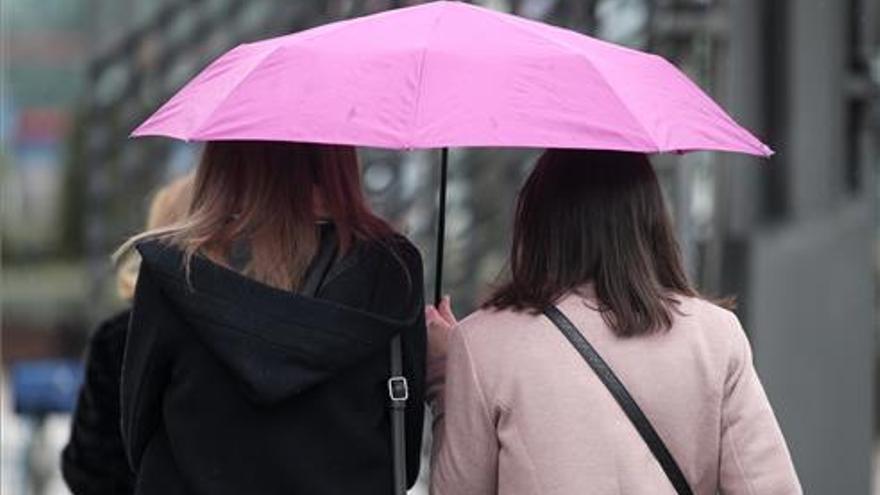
column 112, row 328
column 491, row 328
column 707, row 312
column 719, row 327
column 393, row 250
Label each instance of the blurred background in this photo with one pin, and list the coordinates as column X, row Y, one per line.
column 795, row 238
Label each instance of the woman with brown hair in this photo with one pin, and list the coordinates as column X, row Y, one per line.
column 93, row 461
column 673, row 403
column 260, row 341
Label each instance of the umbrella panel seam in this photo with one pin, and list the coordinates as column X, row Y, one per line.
column 420, row 82
column 574, row 50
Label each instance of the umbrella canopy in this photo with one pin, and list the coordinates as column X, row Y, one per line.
column 448, row 74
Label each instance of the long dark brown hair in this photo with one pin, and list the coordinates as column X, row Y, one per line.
column 264, row 194
column 596, row 217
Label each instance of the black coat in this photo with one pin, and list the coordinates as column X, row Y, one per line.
column 233, row 387
column 93, row 462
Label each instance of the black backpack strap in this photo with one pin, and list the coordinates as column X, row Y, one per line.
column 398, row 392
column 623, row 398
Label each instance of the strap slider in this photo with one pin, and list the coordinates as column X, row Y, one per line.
column 398, row 389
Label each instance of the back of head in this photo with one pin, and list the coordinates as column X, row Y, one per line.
column 595, row 217
column 267, row 197
column 169, row 205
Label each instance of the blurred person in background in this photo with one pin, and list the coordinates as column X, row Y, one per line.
column 93, row 462
column 259, row 347
column 522, row 413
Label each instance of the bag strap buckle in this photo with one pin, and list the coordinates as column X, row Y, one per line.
column 398, row 389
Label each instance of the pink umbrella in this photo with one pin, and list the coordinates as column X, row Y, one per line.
column 448, row 74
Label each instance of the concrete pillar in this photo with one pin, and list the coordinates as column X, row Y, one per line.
column 817, row 56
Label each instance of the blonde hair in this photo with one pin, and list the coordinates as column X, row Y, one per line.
column 169, row 205
column 262, row 195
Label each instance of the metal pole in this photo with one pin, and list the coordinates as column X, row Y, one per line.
column 441, row 226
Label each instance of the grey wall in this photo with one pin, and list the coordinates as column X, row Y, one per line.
column 800, row 243
column 809, row 312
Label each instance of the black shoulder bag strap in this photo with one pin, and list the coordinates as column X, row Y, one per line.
column 398, row 389
column 398, row 392
column 623, row 398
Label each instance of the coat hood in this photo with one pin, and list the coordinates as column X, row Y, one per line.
column 276, row 342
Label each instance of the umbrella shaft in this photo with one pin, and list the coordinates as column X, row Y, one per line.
column 441, row 226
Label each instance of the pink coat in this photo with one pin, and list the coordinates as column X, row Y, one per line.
column 521, row 413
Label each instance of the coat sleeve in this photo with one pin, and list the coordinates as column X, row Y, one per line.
column 145, row 367
column 398, row 294
column 465, row 451
column 754, row 457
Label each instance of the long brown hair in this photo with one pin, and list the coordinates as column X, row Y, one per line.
column 596, row 217
column 264, row 194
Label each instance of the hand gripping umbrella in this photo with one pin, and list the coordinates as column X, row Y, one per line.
column 448, row 74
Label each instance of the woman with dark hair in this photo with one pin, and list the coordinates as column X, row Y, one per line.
column 521, row 412
column 264, row 332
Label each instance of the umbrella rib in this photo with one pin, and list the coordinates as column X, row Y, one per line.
column 700, row 94
column 421, row 73
column 629, row 109
column 503, row 17
column 234, row 87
